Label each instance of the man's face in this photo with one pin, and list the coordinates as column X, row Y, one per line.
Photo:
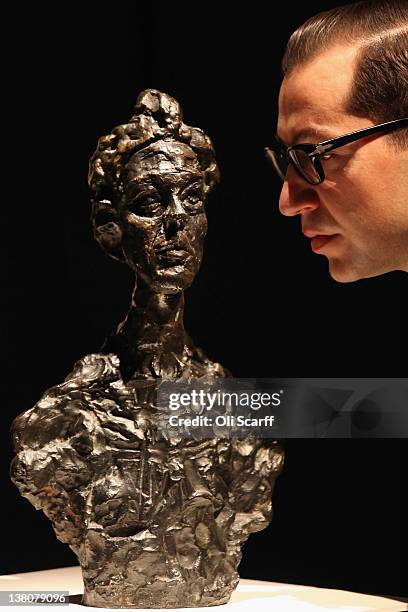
column 363, row 203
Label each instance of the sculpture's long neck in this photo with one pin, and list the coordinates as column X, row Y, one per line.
column 154, row 323
column 152, row 331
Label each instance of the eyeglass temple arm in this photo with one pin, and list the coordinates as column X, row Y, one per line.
column 329, row 145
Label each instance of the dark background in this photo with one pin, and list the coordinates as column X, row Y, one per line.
column 263, row 304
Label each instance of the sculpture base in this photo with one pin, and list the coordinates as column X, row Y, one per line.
column 150, row 602
column 158, row 596
column 250, row 595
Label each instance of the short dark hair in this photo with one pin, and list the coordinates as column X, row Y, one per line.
column 380, row 29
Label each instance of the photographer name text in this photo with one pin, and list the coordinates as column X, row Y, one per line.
column 221, row 421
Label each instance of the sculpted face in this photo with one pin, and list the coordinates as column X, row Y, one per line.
column 162, row 215
column 361, row 209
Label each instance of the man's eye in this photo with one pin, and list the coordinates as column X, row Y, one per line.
column 327, row 156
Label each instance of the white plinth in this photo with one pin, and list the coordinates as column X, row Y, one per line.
column 250, row 596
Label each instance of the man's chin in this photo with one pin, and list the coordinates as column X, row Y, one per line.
column 343, row 272
column 346, row 271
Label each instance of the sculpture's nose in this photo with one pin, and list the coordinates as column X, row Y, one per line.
column 172, row 225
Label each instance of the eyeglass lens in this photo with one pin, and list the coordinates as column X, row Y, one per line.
column 279, row 162
column 305, row 165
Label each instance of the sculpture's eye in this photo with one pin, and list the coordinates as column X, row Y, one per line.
column 147, row 204
column 193, row 199
column 104, row 216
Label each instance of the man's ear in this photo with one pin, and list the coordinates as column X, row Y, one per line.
column 107, row 230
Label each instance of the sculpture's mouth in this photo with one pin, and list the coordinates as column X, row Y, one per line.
column 173, row 258
column 172, row 254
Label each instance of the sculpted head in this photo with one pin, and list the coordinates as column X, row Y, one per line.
column 149, row 181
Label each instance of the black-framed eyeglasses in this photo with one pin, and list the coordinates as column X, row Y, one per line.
column 306, row 158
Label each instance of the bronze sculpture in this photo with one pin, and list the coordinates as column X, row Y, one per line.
column 154, row 523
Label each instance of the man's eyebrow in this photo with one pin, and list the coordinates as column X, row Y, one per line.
column 317, row 134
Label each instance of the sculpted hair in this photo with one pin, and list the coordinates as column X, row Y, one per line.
column 157, row 117
column 379, row 28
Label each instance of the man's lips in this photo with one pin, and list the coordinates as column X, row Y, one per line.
column 319, row 239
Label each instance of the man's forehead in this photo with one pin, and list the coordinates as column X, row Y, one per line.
column 313, row 95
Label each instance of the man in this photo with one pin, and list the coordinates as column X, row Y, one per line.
column 345, row 70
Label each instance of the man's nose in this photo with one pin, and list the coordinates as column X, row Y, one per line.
column 297, row 197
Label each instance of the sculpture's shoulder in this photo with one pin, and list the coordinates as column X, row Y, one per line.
column 62, row 408
column 57, row 444
column 205, row 367
column 90, row 370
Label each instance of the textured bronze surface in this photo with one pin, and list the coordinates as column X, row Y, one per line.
column 155, row 523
